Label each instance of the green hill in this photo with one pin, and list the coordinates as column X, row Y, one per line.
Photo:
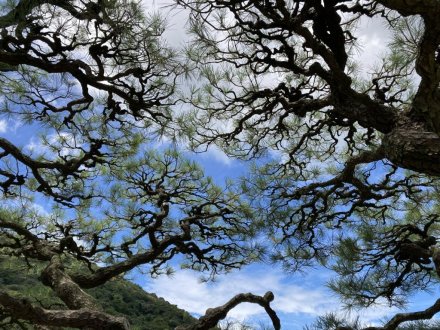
column 119, row 297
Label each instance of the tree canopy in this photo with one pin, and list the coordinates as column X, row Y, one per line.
column 344, row 163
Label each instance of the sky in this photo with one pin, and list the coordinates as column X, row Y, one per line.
column 299, row 297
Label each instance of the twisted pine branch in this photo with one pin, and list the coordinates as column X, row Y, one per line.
column 22, row 309
column 214, row 315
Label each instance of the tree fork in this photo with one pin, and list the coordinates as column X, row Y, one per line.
column 65, row 288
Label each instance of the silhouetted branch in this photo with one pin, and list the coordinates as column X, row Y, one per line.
column 214, row 315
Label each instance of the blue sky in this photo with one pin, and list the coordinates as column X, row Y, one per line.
column 299, row 297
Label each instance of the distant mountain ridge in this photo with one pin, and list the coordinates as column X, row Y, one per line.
column 144, row 310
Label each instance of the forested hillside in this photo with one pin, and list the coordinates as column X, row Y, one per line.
column 117, row 297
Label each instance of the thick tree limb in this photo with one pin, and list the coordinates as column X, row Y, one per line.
column 214, row 315
column 82, row 318
column 66, row 289
column 412, row 7
column 362, row 109
column 104, row 274
column 13, row 225
column 398, row 319
column 25, row 7
column 426, row 102
column 413, row 148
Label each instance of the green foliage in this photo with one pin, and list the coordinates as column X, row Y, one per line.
column 333, row 322
column 145, row 311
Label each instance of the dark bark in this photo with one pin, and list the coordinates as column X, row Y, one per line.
column 413, row 7
column 400, row 318
column 65, row 288
column 403, row 130
column 214, row 315
column 362, row 109
column 84, row 318
column 413, row 147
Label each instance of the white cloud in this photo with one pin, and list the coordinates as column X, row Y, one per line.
column 3, row 126
column 34, row 145
column 374, row 49
column 186, row 290
column 299, row 299
column 25, row 206
column 66, row 144
column 373, row 38
column 218, row 155
column 176, row 18
column 213, row 153
column 375, row 315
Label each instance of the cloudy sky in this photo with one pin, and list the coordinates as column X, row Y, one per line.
column 300, row 297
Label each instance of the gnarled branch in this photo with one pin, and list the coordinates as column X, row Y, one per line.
column 214, row 315
column 22, row 309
